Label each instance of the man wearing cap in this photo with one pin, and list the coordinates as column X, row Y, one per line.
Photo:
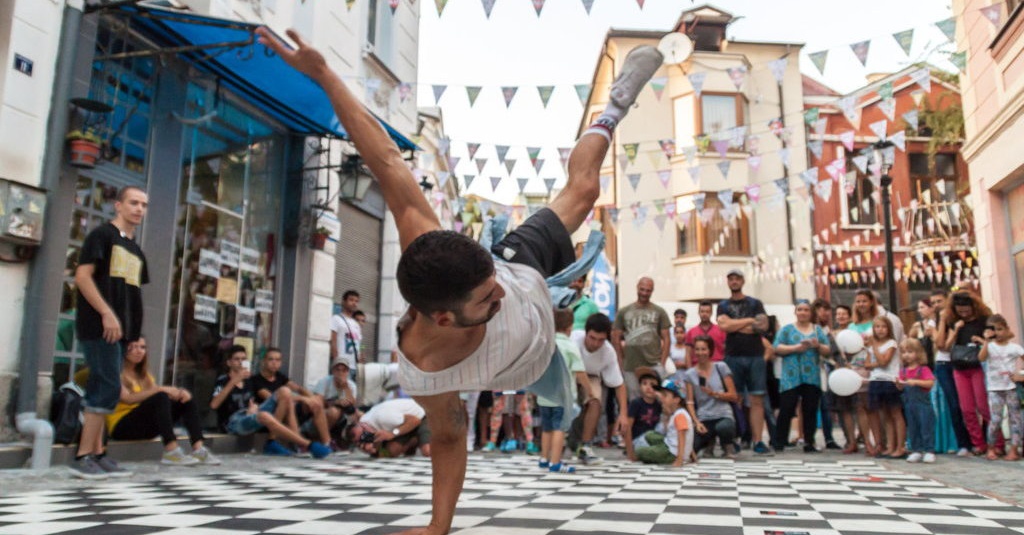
column 392, row 428
column 645, row 328
column 744, row 320
column 338, row 394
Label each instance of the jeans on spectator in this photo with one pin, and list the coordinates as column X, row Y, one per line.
column 808, row 396
column 826, row 418
column 944, row 376
column 970, row 387
column 724, row 429
column 917, row 406
column 155, row 416
column 103, row 388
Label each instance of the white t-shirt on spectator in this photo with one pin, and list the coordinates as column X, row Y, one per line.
column 892, row 370
column 390, row 414
column 1002, row 364
column 325, row 387
column 348, row 334
column 603, row 363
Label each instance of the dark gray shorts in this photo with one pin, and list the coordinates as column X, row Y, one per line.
column 750, row 374
column 541, row 242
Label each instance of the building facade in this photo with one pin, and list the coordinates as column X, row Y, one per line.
column 239, row 179
column 696, row 182
column 933, row 237
column 993, row 95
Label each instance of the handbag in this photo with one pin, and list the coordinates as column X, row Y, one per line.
column 965, row 357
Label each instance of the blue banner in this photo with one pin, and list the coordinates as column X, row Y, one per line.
column 602, row 287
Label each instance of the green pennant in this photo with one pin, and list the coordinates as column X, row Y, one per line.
column 818, row 59
column 583, row 91
column 631, row 150
column 440, row 6
column 533, row 153
column 959, row 60
column 811, row 116
column 885, row 91
column 947, row 27
column 472, row 91
column 545, row 93
column 349, row 4
column 905, row 39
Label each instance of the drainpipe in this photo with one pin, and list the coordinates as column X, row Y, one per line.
column 26, row 420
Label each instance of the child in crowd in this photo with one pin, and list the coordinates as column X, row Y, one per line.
column 511, row 404
column 1003, row 358
column 916, row 381
column 551, row 413
column 883, row 396
column 644, row 412
column 672, row 439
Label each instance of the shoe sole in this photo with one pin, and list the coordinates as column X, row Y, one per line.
column 91, row 477
column 120, row 474
column 640, row 65
column 177, row 463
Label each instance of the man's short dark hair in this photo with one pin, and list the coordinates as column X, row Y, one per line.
column 123, row 192
column 706, row 303
column 273, row 349
column 349, row 293
column 679, row 311
column 358, row 313
column 439, row 269
column 237, row 349
column 846, row 308
column 599, row 323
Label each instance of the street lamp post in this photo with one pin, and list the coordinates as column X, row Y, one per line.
column 881, row 151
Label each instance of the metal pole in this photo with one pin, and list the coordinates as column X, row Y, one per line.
column 791, row 253
column 889, row 261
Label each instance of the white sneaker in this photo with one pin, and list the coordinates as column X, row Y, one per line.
column 587, row 457
column 178, row 458
column 205, row 456
column 640, row 65
column 963, row 452
column 929, row 457
column 914, row 457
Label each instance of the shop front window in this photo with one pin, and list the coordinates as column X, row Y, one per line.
column 227, row 236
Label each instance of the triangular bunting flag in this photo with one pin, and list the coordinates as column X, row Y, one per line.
column 698, row 201
column 819, row 59
column 659, row 221
column 538, row 5
column 533, row 153
column 847, row 139
column 522, row 184
column 810, row 177
column 472, row 148
column 900, row 140
column 440, row 6
column 665, row 176
column 467, row 180
column 349, row 4
column 815, row 148
column 605, row 180
column 861, row 162
column 697, row 81
column 782, row 184
column 480, row 164
column 442, row 178
column 738, row 75
column 879, row 128
column 509, row 92
column 658, row 85
column 948, row 28
column 668, row 146
column 754, row 162
column 723, row 166
column 689, row 152
column 653, row 157
column 776, row 127
column 753, row 193
column 888, row 107
column 885, row 90
column 911, row 118
column 545, row 93
column 640, row 3
column 495, row 180
column 811, row 116
column 721, row 146
column 631, row 150
column 725, row 197
column 820, row 125
column 563, row 155
column 959, row 60
column 634, row 179
column 549, row 183
column 848, row 105
column 472, row 91
column 784, row 156
column 778, row 68
column 587, row 4
column 905, row 39
column 694, row 174
column 538, row 164
column 623, row 161
column 923, row 78
column 583, row 91
column 501, row 150
column 438, row 91
column 860, row 50
column 824, row 189
column 509, row 164
column 993, row 13
column 393, row 4
column 404, row 91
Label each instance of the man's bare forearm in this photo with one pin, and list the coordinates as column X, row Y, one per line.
column 447, row 420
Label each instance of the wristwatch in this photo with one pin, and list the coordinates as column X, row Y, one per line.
column 396, row 432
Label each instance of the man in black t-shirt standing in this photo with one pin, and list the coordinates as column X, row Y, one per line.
column 109, row 277
column 743, row 319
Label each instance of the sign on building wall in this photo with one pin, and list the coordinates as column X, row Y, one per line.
column 602, row 287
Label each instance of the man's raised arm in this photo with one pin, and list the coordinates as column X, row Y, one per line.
column 402, row 194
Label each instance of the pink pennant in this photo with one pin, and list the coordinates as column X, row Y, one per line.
column 665, row 176
column 753, row 193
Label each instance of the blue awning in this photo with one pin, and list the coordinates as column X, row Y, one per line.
column 252, row 71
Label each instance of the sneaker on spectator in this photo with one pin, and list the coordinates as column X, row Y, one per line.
column 929, row 458
column 319, row 450
column 111, row 467
column 587, row 457
column 914, row 457
column 489, row 447
column 205, row 456
column 543, row 463
column 302, row 452
column 273, row 447
column 761, row 449
column 737, row 448
column 562, row 468
column 532, row 449
column 87, row 468
column 178, row 458
column 963, row 452
column 509, row 446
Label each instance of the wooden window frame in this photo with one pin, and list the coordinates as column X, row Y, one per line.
column 705, row 237
column 740, row 100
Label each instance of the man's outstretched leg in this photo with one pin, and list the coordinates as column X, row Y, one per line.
column 583, row 186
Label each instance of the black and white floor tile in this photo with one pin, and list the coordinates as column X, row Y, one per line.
column 509, row 494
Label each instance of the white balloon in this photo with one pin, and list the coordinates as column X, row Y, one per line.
column 844, row 382
column 849, row 341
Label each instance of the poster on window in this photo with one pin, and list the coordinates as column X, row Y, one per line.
column 264, row 301
column 245, row 319
column 229, row 253
column 227, row 290
column 249, row 260
column 205, row 309
column 209, row 263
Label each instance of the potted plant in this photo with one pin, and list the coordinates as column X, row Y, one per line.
column 318, row 239
column 85, row 148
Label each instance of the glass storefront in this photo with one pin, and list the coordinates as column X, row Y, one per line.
column 224, row 281
column 1015, row 210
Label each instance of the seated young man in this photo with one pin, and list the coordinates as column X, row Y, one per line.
column 337, row 394
column 392, row 428
column 460, row 333
column 308, row 409
column 238, row 413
